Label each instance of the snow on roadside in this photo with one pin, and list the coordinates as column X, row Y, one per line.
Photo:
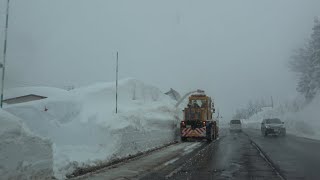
column 85, row 130
column 305, row 123
column 254, row 121
column 23, row 155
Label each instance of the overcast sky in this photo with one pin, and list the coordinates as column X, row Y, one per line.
column 235, row 50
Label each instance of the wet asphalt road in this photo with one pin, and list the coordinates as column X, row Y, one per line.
column 295, row 157
column 231, row 157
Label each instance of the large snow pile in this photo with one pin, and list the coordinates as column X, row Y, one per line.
column 305, row 122
column 22, row 154
column 85, row 129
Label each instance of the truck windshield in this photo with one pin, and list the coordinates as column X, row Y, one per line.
column 199, row 103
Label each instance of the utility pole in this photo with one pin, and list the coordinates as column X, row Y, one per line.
column 117, row 70
column 218, row 116
column 3, row 65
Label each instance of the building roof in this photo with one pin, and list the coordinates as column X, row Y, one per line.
column 38, row 91
column 22, row 99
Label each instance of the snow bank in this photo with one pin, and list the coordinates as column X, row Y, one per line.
column 254, row 121
column 22, row 154
column 305, row 122
column 86, row 131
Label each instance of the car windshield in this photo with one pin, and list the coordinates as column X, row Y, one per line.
column 235, row 122
column 273, row 121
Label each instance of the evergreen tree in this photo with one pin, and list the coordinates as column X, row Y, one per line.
column 306, row 62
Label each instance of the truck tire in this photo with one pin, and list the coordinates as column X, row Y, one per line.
column 209, row 133
column 210, row 136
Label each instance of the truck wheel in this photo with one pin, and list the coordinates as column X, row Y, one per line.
column 214, row 135
column 210, row 136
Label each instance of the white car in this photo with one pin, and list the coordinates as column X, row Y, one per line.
column 235, row 125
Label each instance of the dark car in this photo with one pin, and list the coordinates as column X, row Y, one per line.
column 273, row 126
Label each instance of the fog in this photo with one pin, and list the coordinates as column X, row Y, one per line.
column 235, row 50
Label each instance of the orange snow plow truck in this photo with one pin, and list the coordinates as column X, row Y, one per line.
column 198, row 122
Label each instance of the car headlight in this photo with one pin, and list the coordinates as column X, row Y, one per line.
column 267, row 127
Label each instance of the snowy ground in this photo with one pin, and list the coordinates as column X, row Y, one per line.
column 86, row 131
column 23, row 155
column 305, row 123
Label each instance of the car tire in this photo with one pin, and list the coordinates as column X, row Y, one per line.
column 284, row 133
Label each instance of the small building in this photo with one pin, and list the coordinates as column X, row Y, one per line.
column 27, row 94
column 23, row 99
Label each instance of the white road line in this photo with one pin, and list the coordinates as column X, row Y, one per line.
column 173, row 172
column 190, row 148
column 171, row 161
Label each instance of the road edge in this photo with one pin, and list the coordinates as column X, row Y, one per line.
column 83, row 171
column 266, row 157
column 180, row 163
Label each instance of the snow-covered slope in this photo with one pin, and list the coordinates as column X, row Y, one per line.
column 85, row 129
column 255, row 120
column 22, row 154
column 305, row 122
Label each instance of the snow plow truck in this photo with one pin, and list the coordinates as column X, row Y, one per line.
column 198, row 121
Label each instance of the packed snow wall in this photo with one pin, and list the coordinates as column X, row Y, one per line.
column 86, row 131
column 23, row 155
